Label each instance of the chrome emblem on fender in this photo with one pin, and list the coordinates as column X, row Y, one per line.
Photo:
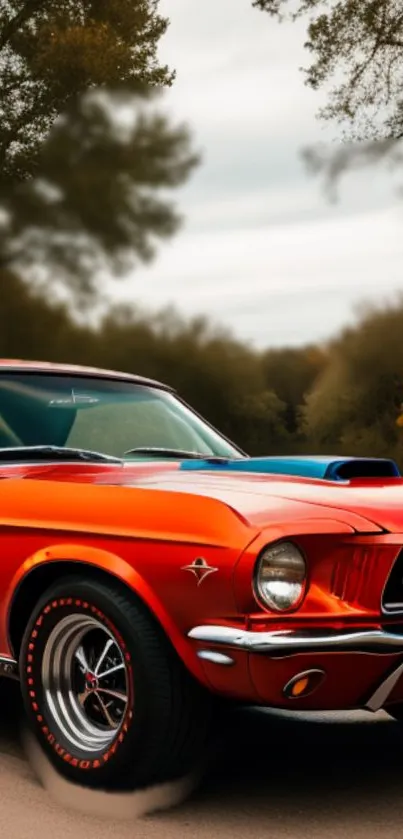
column 200, row 568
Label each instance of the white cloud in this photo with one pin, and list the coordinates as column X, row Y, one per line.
column 284, row 202
column 261, row 250
column 237, row 70
column 302, row 278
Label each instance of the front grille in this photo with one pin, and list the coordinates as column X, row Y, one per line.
column 351, row 574
column 359, row 575
column 392, row 599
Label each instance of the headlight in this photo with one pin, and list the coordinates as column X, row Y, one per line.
column 280, row 577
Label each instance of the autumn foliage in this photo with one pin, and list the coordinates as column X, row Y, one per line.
column 88, row 160
column 345, row 397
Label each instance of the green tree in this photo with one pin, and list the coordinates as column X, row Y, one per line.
column 290, row 373
column 219, row 376
column 259, row 420
column 357, row 49
column 355, row 405
column 80, row 180
column 52, row 51
column 31, row 327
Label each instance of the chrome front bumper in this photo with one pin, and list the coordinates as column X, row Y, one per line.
column 290, row 642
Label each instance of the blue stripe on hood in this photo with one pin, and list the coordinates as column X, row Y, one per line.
column 319, row 467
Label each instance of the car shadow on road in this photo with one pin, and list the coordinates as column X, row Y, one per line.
column 303, row 775
column 10, row 717
column 289, row 770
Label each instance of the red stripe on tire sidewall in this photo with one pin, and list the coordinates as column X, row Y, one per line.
column 62, row 753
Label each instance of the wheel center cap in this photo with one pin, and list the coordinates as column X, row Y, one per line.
column 91, row 681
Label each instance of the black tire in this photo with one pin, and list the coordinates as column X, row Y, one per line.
column 164, row 722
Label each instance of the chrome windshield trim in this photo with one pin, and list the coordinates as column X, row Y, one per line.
column 46, row 464
column 289, row 642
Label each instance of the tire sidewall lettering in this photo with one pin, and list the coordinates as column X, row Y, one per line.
column 29, row 669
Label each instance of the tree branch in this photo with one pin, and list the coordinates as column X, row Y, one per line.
column 364, row 66
column 13, row 25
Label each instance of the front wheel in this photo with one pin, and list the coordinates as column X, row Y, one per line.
column 106, row 695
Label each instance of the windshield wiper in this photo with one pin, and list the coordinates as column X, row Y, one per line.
column 177, row 454
column 23, row 453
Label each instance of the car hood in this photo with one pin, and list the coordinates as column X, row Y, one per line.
column 258, row 497
column 262, row 496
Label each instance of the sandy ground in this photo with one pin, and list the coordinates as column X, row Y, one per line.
column 274, row 776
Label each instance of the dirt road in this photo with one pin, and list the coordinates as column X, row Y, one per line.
column 275, row 776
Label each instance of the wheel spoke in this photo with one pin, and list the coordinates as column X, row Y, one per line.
column 105, row 711
column 111, row 670
column 107, row 647
column 80, row 655
column 82, row 659
column 82, row 697
column 117, row 694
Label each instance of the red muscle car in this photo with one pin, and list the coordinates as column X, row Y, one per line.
column 149, row 566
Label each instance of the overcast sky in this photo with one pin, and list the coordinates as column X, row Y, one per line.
column 262, row 251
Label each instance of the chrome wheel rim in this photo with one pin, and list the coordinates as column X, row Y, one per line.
column 85, row 681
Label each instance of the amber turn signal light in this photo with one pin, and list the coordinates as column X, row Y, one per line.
column 303, row 684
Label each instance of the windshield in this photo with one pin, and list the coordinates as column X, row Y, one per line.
column 102, row 415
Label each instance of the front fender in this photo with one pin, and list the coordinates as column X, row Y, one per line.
column 121, row 570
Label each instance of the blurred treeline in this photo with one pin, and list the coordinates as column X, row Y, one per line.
column 343, row 397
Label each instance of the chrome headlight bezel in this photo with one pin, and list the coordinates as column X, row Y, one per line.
column 300, row 581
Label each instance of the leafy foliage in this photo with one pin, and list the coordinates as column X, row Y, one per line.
column 357, row 49
column 86, row 166
column 52, row 51
column 219, row 376
column 345, row 397
column 356, row 403
column 97, row 198
column 290, row 373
